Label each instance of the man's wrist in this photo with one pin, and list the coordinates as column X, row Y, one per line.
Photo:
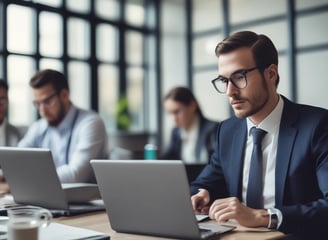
column 275, row 218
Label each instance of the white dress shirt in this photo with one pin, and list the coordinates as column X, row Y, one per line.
column 269, row 148
column 188, row 143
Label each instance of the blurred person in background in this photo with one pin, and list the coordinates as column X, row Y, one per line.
column 193, row 137
column 74, row 135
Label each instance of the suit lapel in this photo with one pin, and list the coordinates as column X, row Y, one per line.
column 178, row 143
column 237, row 157
column 287, row 133
column 200, row 139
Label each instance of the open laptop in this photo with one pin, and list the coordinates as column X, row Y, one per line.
column 33, row 180
column 151, row 198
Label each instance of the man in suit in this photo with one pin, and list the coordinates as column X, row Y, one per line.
column 294, row 194
column 193, row 137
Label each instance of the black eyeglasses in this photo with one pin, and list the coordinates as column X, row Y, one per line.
column 48, row 102
column 238, row 79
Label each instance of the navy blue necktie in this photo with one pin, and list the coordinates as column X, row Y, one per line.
column 254, row 197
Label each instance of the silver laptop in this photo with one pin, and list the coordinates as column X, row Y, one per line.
column 33, row 180
column 151, row 198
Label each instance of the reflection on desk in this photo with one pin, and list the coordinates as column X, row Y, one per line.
column 99, row 222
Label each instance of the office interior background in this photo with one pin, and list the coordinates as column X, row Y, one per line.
column 122, row 56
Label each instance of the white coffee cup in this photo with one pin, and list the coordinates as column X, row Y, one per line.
column 24, row 222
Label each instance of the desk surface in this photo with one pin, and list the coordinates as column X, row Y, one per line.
column 99, row 222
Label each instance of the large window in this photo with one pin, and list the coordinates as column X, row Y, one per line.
column 100, row 45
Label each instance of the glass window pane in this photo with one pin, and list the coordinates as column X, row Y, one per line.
column 206, row 14
column 135, row 93
column 312, row 30
column 107, row 9
column 107, row 42
column 78, row 38
column 79, row 83
column 135, row 12
column 241, row 10
column 311, row 69
column 277, row 31
column 151, row 15
column 305, row 4
column 21, row 29
column 204, row 50
column 151, row 50
column 21, row 110
column 214, row 106
column 108, row 94
column 134, row 47
column 285, row 81
column 81, row 6
column 150, row 87
column 150, row 101
column 51, row 34
column 53, row 3
column 173, row 20
column 52, row 64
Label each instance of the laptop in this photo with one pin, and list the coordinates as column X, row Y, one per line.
column 151, row 198
column 32, row 178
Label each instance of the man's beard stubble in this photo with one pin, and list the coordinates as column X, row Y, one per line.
column 60, row 116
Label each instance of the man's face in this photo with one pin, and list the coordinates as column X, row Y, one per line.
column 3, row 104
column 182, row 115
column 50, row 104
column 250, row 101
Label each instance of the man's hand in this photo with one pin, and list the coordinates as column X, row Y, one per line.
column 231, row 208
column 200, row 201
column 4, row 187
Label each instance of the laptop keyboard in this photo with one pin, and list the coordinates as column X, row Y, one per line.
column 205, row 233
column 211, row 229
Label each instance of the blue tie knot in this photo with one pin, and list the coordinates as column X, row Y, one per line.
column 258, row 134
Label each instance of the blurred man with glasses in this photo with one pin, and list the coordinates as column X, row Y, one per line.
column 74, row 135
column 294, row 174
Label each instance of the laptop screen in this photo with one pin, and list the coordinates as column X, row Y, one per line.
column 32, row 177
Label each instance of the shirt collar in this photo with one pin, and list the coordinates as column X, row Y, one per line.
column 272, row 121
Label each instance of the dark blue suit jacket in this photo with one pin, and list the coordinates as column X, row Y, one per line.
column 301, row 183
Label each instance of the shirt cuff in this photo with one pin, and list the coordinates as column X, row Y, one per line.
column 279, row 216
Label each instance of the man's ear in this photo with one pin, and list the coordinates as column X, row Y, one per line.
column 272, row 73
column 64, row 94
column 193, row 105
